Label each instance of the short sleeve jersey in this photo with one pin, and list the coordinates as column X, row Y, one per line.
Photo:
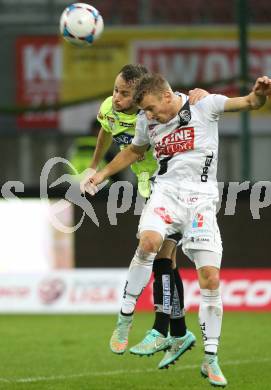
column 187, row 155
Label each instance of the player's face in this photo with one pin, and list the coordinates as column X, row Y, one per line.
column 158, row 107
column 123, row 96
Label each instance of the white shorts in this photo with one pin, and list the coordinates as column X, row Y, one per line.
column 191, row 215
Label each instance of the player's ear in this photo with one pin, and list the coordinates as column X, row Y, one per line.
column 167, row 96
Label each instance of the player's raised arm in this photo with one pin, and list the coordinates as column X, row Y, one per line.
column 255, row 100
column 122, row 160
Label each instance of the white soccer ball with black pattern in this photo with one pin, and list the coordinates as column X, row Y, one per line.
column 81, row 24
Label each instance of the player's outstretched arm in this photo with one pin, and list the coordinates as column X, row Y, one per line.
column 255, row 100
column 104, row 142
column 122, row 160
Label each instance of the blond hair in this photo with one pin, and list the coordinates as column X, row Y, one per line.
column 150, row 84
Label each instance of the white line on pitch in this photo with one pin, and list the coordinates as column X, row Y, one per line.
column 121, row 372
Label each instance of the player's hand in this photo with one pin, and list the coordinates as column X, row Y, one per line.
column 262, row 86
column 91, row 185
column 88, row 174
column 197, row 94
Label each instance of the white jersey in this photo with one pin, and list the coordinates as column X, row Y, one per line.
column 187, row 155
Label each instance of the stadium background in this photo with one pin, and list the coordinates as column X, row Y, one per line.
column 49, row 96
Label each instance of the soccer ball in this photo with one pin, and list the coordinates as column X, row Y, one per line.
column 81, row 24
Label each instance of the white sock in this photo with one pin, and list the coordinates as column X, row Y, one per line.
column 138, row 276
column 210, row 318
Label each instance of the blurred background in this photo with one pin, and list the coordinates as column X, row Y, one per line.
column 50, row 93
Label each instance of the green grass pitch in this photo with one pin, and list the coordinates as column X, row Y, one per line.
column 71, row 352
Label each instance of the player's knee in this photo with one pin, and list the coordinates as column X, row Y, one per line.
column 209, row 278
column 147, row 245
column 150, row 243
column 212, row 282
column 167, row 250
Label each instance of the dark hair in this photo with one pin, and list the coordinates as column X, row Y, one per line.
column 152, row 83
column 133, row 72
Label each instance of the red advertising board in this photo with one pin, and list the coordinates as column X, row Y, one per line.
column 101, row 290
column 242, row 289
column 38, row 72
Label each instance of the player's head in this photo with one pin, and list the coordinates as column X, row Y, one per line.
column 124, row 87
column 154, row 95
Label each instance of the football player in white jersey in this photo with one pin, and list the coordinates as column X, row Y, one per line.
column 184, row 196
